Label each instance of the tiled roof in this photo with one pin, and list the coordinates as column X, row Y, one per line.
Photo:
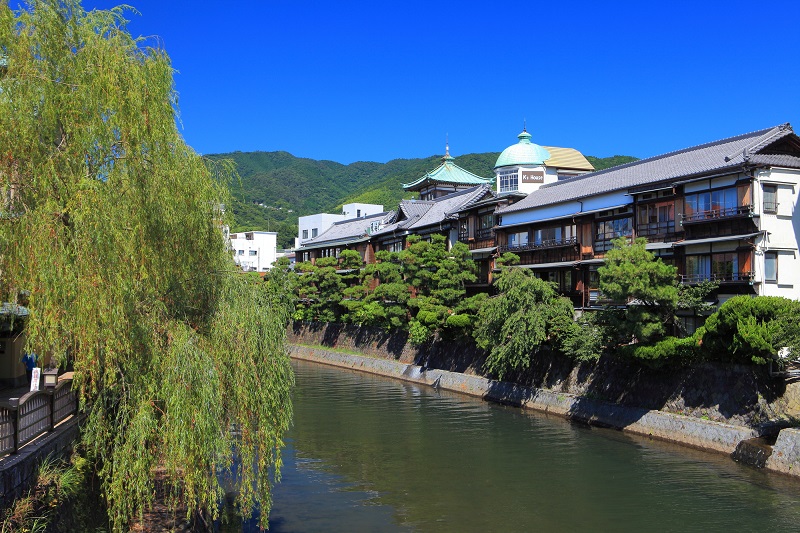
column 349, row 230
column 448, row 172
column 418, row 214
column 704, row 159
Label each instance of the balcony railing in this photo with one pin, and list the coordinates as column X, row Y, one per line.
column 484, row 233
column 727, row 277
column 551, row 243
column 656, row 228
column 714, row 214
column 34, row 414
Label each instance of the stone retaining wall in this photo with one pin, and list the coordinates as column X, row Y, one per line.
column 732, row 394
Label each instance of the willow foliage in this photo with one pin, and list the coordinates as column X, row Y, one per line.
column 112, row 224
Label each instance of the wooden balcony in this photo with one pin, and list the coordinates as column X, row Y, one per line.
column 722, row 278
column 716, row 214
column 552, row 243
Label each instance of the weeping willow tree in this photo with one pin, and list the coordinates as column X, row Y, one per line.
column 111, row 228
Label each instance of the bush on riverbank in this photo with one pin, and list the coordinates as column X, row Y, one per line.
column 421, row 290
column 751, row 330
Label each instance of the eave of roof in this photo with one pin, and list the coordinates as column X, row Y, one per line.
column 448, row 173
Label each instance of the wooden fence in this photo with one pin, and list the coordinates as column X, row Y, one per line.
column 34, row 414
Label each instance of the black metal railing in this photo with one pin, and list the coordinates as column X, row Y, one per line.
column 712, row 214
column 484, row 233
column 34, row 414
column 722, row 277
column 771, row 207
column 550, row 243
column 655, row 228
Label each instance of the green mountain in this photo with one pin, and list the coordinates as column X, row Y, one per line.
column 275, row 188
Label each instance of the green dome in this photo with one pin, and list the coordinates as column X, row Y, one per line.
column 522, row 153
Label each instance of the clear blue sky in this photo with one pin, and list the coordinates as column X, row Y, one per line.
column 373, row 81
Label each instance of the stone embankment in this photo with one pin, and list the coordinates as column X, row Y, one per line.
column 714, row 408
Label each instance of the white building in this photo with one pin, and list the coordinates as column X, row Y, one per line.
column 311, row 226
column 254, row 251
column 525, row 166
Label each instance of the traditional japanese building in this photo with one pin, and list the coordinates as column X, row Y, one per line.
column 426, row 217
column 722, row 211
column 445, row 179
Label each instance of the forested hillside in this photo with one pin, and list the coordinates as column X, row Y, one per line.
column 276, row 187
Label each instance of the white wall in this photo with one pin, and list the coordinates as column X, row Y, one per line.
column 352, row 210
column 254, row 251
column 321, row 222
column 782, row 232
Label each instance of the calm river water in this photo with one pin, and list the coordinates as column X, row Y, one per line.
column 373, row 454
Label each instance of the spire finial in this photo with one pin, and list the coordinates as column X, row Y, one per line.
column 524, row 124
column 446, row 157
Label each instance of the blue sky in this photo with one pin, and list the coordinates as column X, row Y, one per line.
column 374, row 81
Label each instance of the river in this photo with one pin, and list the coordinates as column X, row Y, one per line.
column 368, row 453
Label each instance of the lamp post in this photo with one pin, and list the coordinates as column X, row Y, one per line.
column 50, row 378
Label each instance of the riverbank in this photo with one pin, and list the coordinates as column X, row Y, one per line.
column 714, row 409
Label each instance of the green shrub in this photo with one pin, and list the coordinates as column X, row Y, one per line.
column 581, row 339
column 418, row 333
column 668, row 350
column 751, row 329
column 458, row 321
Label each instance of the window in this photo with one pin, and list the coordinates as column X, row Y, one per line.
column 463, row 229
column 253, row 252
column 771, row 267
column 715, row 267
column 518, row 240
column 698, row 268
column 509, row 180
column 240, row 252
column 358, row 213
column 725, row 266
column 770, row 199
column 313, row 233
column 305, row 234
column 395, row 246
column 655, row 219
column 608, row 230
column 718, row 203
column 698, row 205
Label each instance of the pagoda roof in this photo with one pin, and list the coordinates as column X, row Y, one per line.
column 447, row 173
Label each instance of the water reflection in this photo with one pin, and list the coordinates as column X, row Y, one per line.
column 371, row 454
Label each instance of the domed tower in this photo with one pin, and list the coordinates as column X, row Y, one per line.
column 521, row 167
